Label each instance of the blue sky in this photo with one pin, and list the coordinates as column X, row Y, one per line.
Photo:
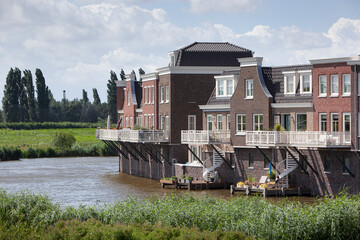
column 77, row 42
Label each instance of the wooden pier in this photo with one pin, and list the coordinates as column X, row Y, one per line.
column 268, row 192
column 195, row 185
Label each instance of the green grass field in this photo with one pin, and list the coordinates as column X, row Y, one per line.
column 43, row 137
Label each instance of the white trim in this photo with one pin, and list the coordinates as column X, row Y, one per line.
column 193, row 70
column 207, row 122
column 296, row 121
column 228, row 122
column 121, row 111
column 262, row 123
column 246, row 88
column 226, row 77
column 305, row 71
column 215, row 107
column 326, row 88
column 167, row 93
column 332, row 93
column 289, row 91
column 288, row 72
column 149, row 77
column 335, row 60
column 120, row 83
column 217, row 122
column 240, row 132
column 162, row 94
column 291, row 105
column 250, row 61
column 342, row 85
column 139, row 110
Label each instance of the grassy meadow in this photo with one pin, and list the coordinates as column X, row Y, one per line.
column 42, row 138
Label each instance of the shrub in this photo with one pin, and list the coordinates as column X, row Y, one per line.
column 64, row 140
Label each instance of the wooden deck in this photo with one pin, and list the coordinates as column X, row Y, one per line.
column 268, row 192
column 196, row 185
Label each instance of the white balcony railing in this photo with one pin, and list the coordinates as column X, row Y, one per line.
column 298, row 138
column 204, row 136
column 128, row 135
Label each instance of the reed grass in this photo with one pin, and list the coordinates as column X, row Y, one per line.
column 328, row 218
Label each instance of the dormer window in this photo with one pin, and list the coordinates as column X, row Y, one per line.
column 224, row 88
column 289, row 82
column 305, row 82
column 172, row 59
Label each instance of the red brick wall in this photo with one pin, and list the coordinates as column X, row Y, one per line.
column 149, row 108
column 129, row 109
column 329, row 104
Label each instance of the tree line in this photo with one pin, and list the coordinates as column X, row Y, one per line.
column 20, row 104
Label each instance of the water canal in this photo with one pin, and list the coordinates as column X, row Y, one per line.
column 84, row 180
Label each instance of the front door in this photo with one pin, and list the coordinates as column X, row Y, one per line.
column 286, row 121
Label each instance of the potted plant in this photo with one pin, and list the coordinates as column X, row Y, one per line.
column 189, row 179
column 182, row 178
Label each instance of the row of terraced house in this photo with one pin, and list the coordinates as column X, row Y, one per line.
column 215, row 108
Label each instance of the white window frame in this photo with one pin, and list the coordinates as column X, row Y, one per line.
column 167, row 94
column 149, row 121
column 297, row 129
column 126, row 122
column 162, row 94
column 153, row 121
column 153, row 94
column 167, row 123
column 162, row 122
column 223, row 88
column 226, row 92
column 131, row 121
column 145, row 121
column 229, row 92
column 218, row 118
column 191, row 120
column 320, row 78
column 138, row 121
column 145, row 95
column 332, row 121
column 320, row 122
column 287, row 78
column 242, row 130
column 128, row 97
column 302, row 74
column 228, row 122
column 343, row 125
column 346, row 94
column 334, row 78
column 249, row 89
column 209, row 117
column 193, row 158
column 260, row 125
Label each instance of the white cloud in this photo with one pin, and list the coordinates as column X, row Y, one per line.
column 227, row 6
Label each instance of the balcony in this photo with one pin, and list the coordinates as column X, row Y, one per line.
column 205, row 137
column 127, row 135
column 298, row 139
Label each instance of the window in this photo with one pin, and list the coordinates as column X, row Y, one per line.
column 209, row 122
column 266, row 163
column 346, row 122
column 305, row 83
column 194, row 150
column 145, row 120
column 334, row 85
column 145, row 95
column 249, row 88
column 334, row 122
column 153, row 121
column 240, row 123
column 251, row 160
column 162, row 122
column 347, row 164
column 346, row 85
column 220, row 88
column 153, row 94
column 167, row 123
column 167, row 94
column 327, row 164
column 138, row 121
column 289, row 84
column 126, row 122
column 286, row 121
column 232, row 160
column 228, row 122
column 230, row 87
column 149, row 121
column 131, row 121
column 322, row 86
column 162, row 94
column 192, row 122
column 148, row 96
column 322, row 122
column 219, row 122
column 128, row 98
column 301, row 122
column 172, row 59
column 303, row 162
column 258, row 122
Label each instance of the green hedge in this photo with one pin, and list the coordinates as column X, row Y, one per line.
column 48, row 125
column 77, row 150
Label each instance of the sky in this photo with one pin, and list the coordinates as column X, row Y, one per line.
column 76, row 43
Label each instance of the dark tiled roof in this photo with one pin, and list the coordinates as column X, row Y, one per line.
column 213, row 100
column 136, row 93
column 211, row 54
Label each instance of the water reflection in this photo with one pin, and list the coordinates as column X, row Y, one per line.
column 88, row 181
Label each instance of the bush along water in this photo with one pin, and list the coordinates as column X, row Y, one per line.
column 328, row 218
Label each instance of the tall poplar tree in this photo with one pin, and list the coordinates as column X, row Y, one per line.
column 29, row 88
column 122, row 75
column 111, row 96
column 42, row 96
column 10, row 100
column 96, row 97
